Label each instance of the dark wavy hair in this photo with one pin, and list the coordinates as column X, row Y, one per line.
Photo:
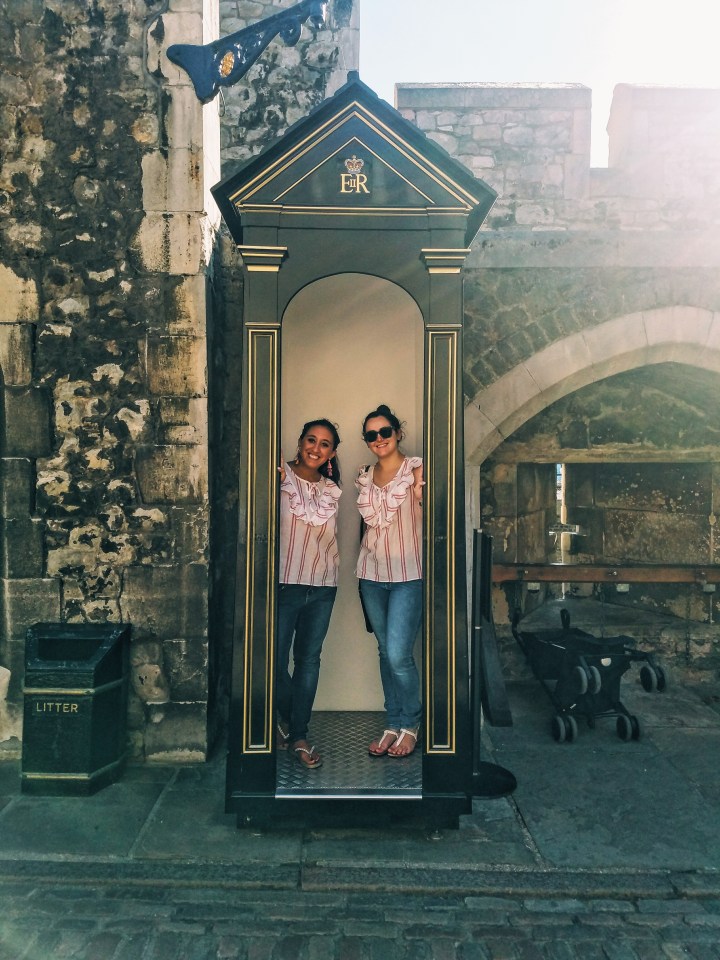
column 331, row 469
column 384, row 410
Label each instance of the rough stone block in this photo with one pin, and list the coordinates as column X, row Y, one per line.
column 559, row 361
column 602, row 341
column 25, row 602
column 679, row 488
column 580, row 484
column 641, row 537
column 510, row 392
column 16, row 344
column 533, row 542
column 176, row 244
column 590, row 520
column 18, row 297
column 183, row 420
column 480, row 435
column 146, row 673
column 27, row 422
column 576, row 177
column 177, row 366
column 187, row 667
column 184, row 119
column 16, row 487
column 166, row 603
column 184, row 309
column 503, row 530
column 10, row 714
column 536, row 486
column 173, row 180
column 680, row 323
column 177, row 733
column 172, row 474
column 190, row 528
column 504, row 487
column 21, row 548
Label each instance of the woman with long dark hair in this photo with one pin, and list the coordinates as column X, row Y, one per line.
column 309, row 494
column 390, row 572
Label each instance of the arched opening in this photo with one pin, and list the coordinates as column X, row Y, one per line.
column 350, row 342
column 640, row 456
column 679, row 334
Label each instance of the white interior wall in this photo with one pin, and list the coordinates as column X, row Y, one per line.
column 349, row 343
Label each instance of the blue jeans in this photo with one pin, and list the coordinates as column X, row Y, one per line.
column 303, row 620
column 395, row 613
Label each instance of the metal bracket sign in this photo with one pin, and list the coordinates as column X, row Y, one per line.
column 225, row 61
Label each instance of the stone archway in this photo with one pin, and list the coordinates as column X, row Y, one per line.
column 683, row 334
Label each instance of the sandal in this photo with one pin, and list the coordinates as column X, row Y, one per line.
column 283, row 735
column 307, row 757
column 378, row 748
column 404, row 733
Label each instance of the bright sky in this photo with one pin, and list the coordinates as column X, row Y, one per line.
column 595, row 42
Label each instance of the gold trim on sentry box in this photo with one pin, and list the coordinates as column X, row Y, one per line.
column 435, row 338
column 351, row 111
column 267, row 377
column 346, row 146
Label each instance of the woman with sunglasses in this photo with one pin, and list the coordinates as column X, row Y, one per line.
column 390, row 572
column 309, row 495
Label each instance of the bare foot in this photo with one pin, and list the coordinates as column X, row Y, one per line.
column 306, row 755
column 378, row 748
column 405, row 743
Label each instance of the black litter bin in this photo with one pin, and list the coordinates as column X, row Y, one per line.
column 75, row 707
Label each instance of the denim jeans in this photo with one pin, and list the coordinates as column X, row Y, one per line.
column 303, row 620
column 395, row 613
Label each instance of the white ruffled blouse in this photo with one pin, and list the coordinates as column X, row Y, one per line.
column 391, row 547
column 308, row 537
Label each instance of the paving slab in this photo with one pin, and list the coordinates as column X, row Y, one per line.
column 603, row 802
column 104, row 825
column 191, row 823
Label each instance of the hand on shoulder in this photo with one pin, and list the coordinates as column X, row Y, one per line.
column 418, row 483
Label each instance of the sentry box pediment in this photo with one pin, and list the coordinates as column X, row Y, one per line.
column 355, row 157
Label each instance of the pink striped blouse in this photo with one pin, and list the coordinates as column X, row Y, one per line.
column 308, row 543
column 391, row 547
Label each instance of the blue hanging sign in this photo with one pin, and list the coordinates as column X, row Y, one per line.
column 225, row 61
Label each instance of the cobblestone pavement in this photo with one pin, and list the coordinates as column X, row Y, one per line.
column 162, row 922
column 606, row 851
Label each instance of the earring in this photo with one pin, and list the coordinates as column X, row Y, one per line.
column 329, row 468
column 297, row 456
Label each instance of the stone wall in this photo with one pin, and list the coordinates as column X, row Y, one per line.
column 287, row 82
column 107, row 235
column 113, row 284
column 592, row 322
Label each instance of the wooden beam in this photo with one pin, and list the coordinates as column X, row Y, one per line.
column 603, row 573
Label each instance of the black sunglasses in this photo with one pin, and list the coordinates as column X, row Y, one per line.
column 370, row 436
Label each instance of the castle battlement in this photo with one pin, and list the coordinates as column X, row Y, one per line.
column 531, row 143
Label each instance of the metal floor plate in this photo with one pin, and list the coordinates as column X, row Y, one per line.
column 348, row 770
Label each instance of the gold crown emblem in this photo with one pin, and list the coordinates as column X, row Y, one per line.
column 227, row 63
column 354, row 164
